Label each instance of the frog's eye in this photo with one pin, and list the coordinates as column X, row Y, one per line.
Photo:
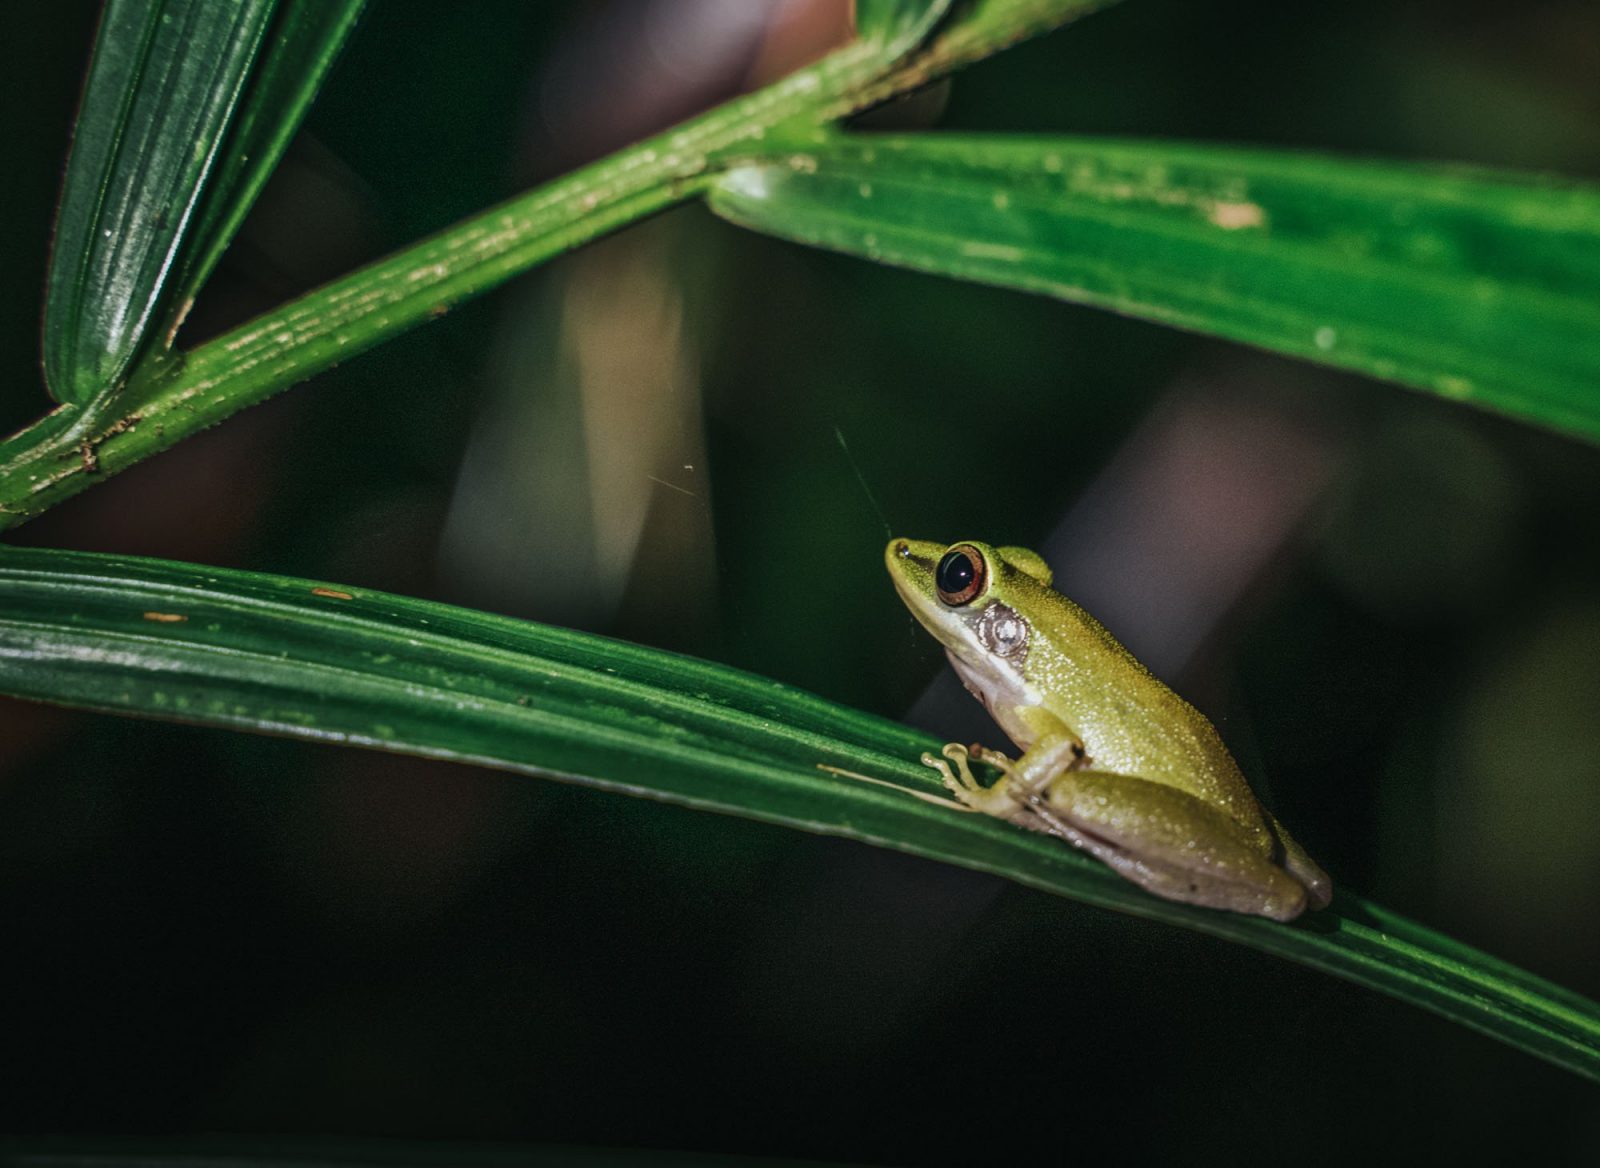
column 960, row 575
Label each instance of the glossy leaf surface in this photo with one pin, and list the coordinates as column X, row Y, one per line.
column 285, row 656
column 165, row 80
column 1479, row 286
column 302, row 45
column 900, row 25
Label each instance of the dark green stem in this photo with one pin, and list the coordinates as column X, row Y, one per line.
column 174, row 395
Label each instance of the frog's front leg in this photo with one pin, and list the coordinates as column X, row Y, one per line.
column 1018, row 795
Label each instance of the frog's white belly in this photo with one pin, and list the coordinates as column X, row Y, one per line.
column 1003, row 692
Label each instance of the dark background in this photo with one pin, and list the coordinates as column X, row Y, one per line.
column 228, row 938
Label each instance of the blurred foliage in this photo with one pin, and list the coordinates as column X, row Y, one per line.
column 219, row 933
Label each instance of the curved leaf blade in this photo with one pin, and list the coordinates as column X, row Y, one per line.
column 1479, row 286
column 916, row 38
column 164, row 80
column 300, row 49
column 285, row 656
column 900, row 25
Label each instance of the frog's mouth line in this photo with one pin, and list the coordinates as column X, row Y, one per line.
column 901, row 578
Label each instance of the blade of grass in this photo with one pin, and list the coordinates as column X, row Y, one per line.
column 975, row 30
column 301, row 47
column 1480, row 286
column 901, row 25
column 284, row 656
column 164, row 81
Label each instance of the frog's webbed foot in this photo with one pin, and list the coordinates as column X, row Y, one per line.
column 1002, row 800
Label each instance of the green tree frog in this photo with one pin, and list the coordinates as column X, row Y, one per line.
column 1112, row 760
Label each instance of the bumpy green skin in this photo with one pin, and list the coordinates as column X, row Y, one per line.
column 1113, row 760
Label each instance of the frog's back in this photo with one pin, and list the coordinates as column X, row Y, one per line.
column 1132, row 723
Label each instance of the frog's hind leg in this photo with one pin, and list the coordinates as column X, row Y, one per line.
column 1319, row 888
column 1172, row 844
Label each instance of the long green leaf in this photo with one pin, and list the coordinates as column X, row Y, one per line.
column 1480, row 286
column 285, row 656
column 304, row 41
column 165, row 79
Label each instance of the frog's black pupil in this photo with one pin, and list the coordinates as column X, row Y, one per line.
column 955, row 573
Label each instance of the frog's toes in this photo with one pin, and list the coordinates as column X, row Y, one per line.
column 994, row 758
column 960, row 786
column 946, row 775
